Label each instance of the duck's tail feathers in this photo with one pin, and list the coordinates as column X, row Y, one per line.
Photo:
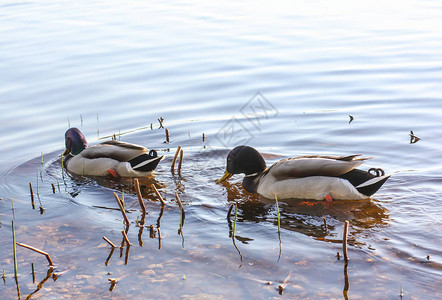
column 370, row 186
column 146, row 162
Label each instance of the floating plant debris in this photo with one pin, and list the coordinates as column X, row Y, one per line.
column 413, row 138
column 282, row 286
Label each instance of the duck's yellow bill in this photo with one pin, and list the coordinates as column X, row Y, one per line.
column 226, row 176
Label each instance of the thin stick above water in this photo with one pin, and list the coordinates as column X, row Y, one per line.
column 167, row 136
column 48, row 257
column 120, row 205
column 180, row 163
column 126, row 238
column 109, row 242
column 344, row 241
column 14, row 250
column 158, row 194
column 32, row 195
column 182, row 210
column 140, row 199
column 174, row 158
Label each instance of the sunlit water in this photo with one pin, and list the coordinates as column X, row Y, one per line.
column 282, row 77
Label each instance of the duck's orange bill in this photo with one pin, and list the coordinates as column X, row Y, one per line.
column 226, row 176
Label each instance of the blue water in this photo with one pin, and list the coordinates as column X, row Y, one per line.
column 283, row 77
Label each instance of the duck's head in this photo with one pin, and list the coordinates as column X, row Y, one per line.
column 243, row 159
column 75, row 141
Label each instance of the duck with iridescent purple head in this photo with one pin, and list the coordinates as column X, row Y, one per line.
column 115, row 158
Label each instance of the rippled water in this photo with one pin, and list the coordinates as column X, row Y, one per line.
column 281, row 76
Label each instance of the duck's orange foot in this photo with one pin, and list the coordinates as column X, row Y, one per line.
column 113, row 173
column 328, row 198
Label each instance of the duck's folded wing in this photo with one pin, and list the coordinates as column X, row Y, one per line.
column 313, row 166
column 119, row 151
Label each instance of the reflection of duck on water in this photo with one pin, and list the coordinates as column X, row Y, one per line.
column 306, row 216
column 304, row 177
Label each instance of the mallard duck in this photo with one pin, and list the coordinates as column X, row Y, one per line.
column 108, row 158
column 305, row 177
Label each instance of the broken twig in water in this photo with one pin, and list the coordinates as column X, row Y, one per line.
column 161, row 120
column 109, row 242
column 140, row 199
column 120, row 205
column 174, row 159
column 53, row 188
column 158, row 194
column 48, row 257
column 344, row 241
column 282, row 286
column 325, row 224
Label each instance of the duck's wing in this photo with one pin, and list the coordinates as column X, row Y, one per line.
column 116, row 150
column 305, row 166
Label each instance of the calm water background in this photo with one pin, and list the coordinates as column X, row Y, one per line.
column 109, row 67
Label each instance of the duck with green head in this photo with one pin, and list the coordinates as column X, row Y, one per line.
column 311, row 177
column 108, row 158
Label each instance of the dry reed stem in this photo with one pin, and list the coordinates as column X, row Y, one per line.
column 180, row 163
column 109, row 242
column 120, row 205
column 140, row 199
column 53, row 188
column 174, row 158
column 182, row 210
column 126, row 238
column 344, row 241
column 32, row 195
column 325, row 223
column 167, row 136
column 158, row 194
column 48, row 257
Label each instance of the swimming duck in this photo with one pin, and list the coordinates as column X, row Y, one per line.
column 305, row 177
column 108, row 158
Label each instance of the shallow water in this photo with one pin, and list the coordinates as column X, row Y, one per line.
column 282, row 77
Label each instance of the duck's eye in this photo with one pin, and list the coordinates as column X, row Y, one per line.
column 153, row 153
